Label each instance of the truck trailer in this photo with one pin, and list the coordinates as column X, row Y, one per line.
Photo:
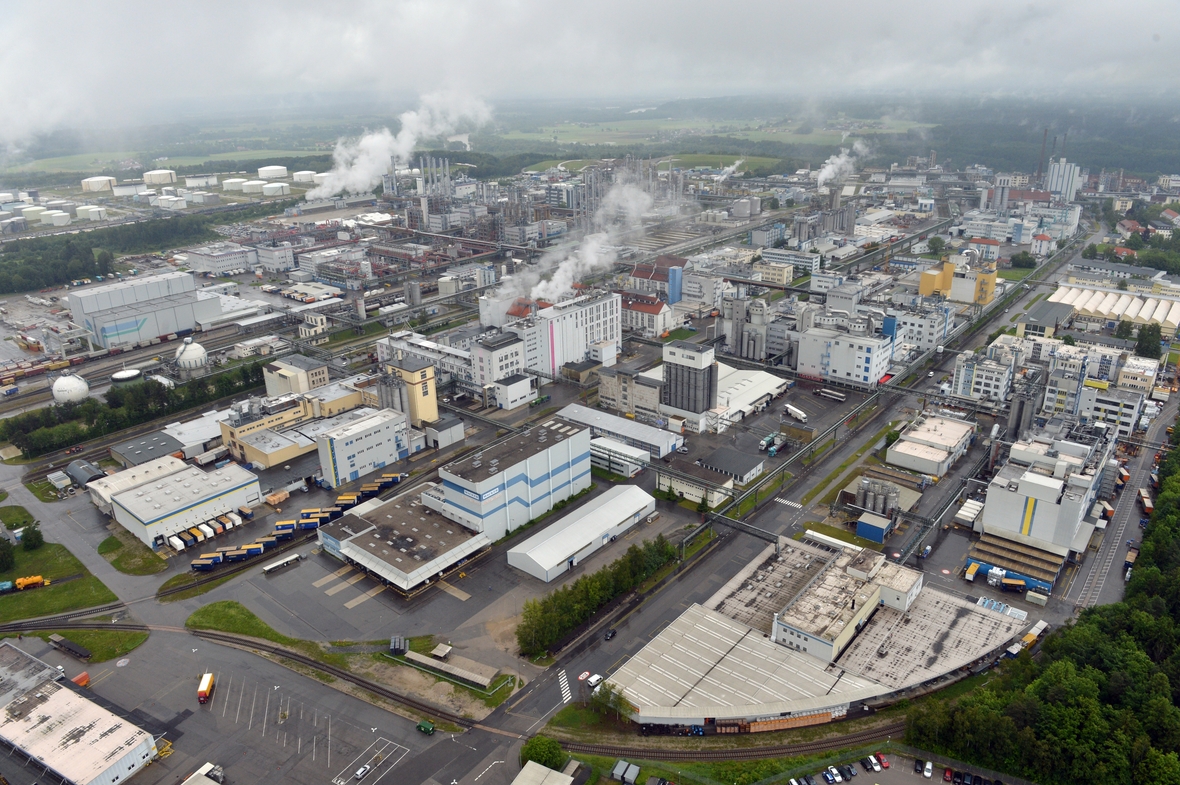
column 205, row 688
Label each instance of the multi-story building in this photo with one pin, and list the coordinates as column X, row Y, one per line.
column 979, row 378
column 450, row 364
column 627, row 390
column 1063, row 180
column 497, row 356
column 314, row 329
column 703, row 288
column 768, row 236
column 1099, row 402
column 926, row 328
column 959, row 281
column 504, row 485
column 421, row 401
column 690, row 378
column 276, row 258
column 294, row 373
column 805, row 262
column 350, row 451
column 568, row 331
column 826, row 281
column 648, row 315
column 858, row 359
column 221, row 258
column 1139, row 374
column 774, row 272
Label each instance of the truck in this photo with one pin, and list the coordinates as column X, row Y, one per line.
column 762, row 445
column 971, row 570
column 1132, row 555
column 797, row 413
column 9, row 390
column 69, row 647
column 30, row 582
column 205, row 688
column 82, row 679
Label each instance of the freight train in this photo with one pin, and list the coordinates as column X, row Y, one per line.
column 12, row 371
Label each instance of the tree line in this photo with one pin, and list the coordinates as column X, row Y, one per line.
column 56, row 427
column 1099, row 704
column 548, row 620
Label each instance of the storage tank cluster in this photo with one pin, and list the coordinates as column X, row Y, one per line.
column 232, row 184
column 159, row 177
column 252, row 186
column 878, row 496
column 276, row 189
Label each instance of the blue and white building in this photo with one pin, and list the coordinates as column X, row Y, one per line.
column 350, row 451
column 507, row 484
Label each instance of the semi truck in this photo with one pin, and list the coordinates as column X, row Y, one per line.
column 797, row 413
column 205, row 688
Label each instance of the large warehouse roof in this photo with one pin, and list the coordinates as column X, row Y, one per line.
column 629, row 431
column 557, row 542
column 168, row 495
column 106, row 487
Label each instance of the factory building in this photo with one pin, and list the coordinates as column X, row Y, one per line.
column 645, row 314
column 629, row 390
column 222, row 258
column 156, row 510
column 931, row 445
column 657, row 442
column 129, row 312
column 743, row 467
column 584, row 328
column 694, row 483
column 277, row 257
column 854, row 358
column 496, row 357
column 690, row 378
column 103, row 490
column 960, row 281
column 294, row 373
column 421, row 399
column 146, row 448
column 450, row 364
column 618, row 458
column 979, row 378
column 399, row 542
column 561, row 546
column 505, row 485
column 368, row 443
column 60, row 731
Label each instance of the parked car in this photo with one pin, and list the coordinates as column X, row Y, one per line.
column 957, row 779
column 836, row 775
column 928, row 772
column 946, row 775
column 848, row 772
column 882, row 760
column 362, row 771
column 876, row 764
column 611, row 633
column 918, row 764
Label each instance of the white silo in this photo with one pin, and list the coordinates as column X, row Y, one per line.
column 92, row 184
column 191, row 356
column 272, row 172
column 232, row 184
column 253, row 186
column 320, row 179
column 276, row 189
column 306, row 176
column 159, row 177
column 83, row 212
column 70, row 389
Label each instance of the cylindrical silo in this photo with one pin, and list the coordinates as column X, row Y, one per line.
column 861, row 492
column 870, row 500
column 253, row 186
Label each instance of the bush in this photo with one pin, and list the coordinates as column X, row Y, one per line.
column 7, row 555
column 545, row 751
column 32, row 538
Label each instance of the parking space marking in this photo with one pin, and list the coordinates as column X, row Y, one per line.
column 344, row 584
column 371, row 593
column 564, row 682
column 329, row 578
column 457, row 593
column 377, row 754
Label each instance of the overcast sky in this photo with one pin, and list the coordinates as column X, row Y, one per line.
column 93, row 63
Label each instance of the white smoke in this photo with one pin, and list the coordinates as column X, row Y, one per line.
column 358, row 164
column 729, row 170
column 842, row 164
column 621, row 209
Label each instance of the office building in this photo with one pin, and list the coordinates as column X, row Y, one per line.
column 497, row 356
column 221, row 258
column 358, row 448
column 831, row 355
column 690, row 378
column 979, row 378
column 294, row 373
column 1139, row 374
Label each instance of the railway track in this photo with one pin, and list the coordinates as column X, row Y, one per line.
column 855, row 739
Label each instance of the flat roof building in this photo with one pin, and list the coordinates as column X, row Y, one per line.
column 350, row 451
column 561, row 546
column 931, row 445
column 146, row 448
column 294, row 373
column 104, row 488
column 741, row 466
column 656, row 441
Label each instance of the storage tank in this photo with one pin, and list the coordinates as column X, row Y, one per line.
column 61, row 218
column 306, row 176
column 272, row 172
column 98, row 184
column 83, row 212
column 191, row 355
column 320, row 178
column 159, row 177
column 276, row 189
column 126, row 377
column 32, row 214
column 253, row 186
column 232, row 184
column 862, row 491
column 870, row 500
column 98, row 213
column 70, row 388
column 894, row 500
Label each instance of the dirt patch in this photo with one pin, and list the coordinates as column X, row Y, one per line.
column 414, row 682
column 503, row 633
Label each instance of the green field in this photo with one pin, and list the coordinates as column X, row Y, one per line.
column 687, row 161
column 1015, row 273
column 51, row 561
column 103, row 644
column 130, row 556
column 97, row 162
column 14, row 516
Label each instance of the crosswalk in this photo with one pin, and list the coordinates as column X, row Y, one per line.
column 564, row 683
column 790, row 503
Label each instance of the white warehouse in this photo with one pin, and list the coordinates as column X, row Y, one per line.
column 160, row 508
column 355, row 449
column 561, row 546
column 129, row 312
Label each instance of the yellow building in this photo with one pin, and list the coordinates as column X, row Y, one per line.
column 775, row 272
column 960, row 282
column 418, row 374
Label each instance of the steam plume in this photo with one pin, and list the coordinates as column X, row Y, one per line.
column 357, row 164
column 842, row 164
column 729, row 170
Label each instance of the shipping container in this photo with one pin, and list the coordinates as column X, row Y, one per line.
column 205, row 688
column 82, row 679
column 267, row 542
column 214, row 557
column 282, row 535
column 206, row 529
column 202, row 565
column 188, row 540
column 971, row 570
column 176, row 543
column 286, row 525
column 246, row 513
column 234, row 518
column 240, row 554
column 197, row 534
column 254, row 549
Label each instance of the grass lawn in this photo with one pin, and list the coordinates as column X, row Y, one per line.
column 43, row 490
column 14, row 516
column 52, row 561
column 1015, row 273
column 819, row 488
column 606, row 476
column 3, row 495
column 680, row 334
column 819, row 451
column 350, row 335
column 840, row 534
column 231, row 616
column 103, row 644
column 186, row 579
column 130, row 556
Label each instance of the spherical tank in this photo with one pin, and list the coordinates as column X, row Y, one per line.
column 70, row 389
column 191, row 355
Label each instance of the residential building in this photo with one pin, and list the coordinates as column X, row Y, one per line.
column 294, row 373
column 360, row 447
column 645, row 314
column 421, row 403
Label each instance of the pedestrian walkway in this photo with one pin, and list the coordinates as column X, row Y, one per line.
column 564, row 682
column 789, row 503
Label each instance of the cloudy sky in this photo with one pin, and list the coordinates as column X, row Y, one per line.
column 88, row 63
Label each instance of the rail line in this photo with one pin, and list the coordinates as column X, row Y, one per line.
column 750, row 753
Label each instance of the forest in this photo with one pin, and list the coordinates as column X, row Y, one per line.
column 55, row 427
column 548, row 620
column 1099, row 701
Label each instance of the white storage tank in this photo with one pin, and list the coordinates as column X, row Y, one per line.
column 92, row 184
column 253, row 186
column 83, row 212
column 159, row 177
column 98, row 213
column 126, row 376
column 191, row 355
column 320, row 179
column 32, row 214
column 70, row 389
column 306, row 176
column 272, row 172
column 61, row 218
column 232, row 184
column 276, row 189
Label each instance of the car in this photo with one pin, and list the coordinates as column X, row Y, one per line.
column 977, row 779
column 836, row 775
column 928, row 772
column 930, row 375
column 682, row 450
column 866, row 765
column 882, row 759
column 946, row 775
column 828, row 778
column 918, row 764
column 362, row 771
column 957, row 779
column 612, row 632
column 875, row 763
column 848, row 772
